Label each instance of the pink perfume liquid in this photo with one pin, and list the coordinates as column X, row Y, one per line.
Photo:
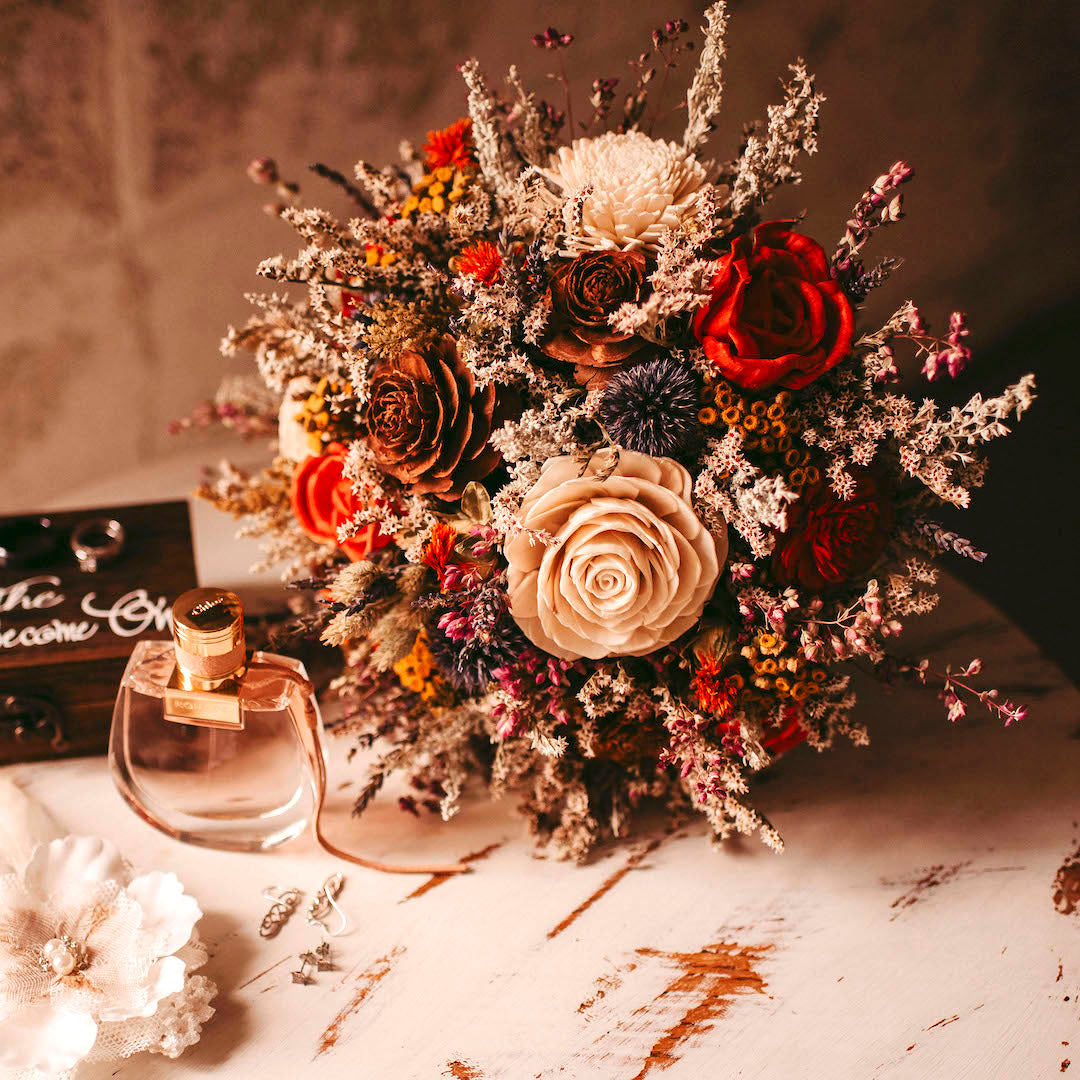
column 246, row 788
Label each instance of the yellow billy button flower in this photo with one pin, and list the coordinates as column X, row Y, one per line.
column 437, row 191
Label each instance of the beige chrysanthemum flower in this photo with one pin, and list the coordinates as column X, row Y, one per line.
column 641, row 187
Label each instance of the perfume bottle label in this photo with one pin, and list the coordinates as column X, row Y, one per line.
column 218, row 708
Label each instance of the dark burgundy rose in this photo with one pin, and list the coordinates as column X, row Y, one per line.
column 428, row 425
column 584, row 292
column 829, row 540
column 776, row 315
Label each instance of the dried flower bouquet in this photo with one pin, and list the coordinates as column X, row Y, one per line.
column 590, row 471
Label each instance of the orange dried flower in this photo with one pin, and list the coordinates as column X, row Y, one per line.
column 712, row 691
column 440, row 549
column 482, row 260
column 452, row 146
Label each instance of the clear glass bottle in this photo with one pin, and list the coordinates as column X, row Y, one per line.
column 205, row 742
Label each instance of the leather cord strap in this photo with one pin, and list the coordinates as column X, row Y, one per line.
column 306, row 722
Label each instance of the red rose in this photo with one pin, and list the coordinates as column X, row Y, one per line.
column 323, row 499
column 776, row 316
column 778, row 737
column 830, row 540
column 782, row 736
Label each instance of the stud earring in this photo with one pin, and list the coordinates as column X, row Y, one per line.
column 318, row 960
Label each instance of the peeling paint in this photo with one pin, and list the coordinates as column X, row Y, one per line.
column 1066, row 888
column 366, row 981
column 931, row 878
column 463, row 1070
column 945, row 1021
column 631, row 863
column 439, row 879
column 934, row 877
column 603, row 986
column 701, row 993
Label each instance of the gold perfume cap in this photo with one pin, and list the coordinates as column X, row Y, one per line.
column 208, row 629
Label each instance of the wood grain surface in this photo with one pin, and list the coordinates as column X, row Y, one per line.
column 924, row 921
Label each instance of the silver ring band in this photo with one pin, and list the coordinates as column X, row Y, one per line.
column 97, row 541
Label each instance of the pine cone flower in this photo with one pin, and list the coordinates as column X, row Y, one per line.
column 641, row 187
column 583, row 293
column 428, row 423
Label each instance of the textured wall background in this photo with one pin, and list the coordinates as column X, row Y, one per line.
column 128, row 232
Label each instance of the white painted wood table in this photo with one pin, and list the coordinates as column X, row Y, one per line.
column 908, row 931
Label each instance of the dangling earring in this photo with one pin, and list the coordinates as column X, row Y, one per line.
column 284, row 904
column 325, row 901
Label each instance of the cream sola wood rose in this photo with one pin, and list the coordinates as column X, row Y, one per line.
column 631, row 567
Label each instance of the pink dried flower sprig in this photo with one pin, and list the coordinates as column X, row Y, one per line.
column 692, row 755
column 244, row 422
column 552, row 39
column 881, row 204
column 264, row 170
column 951, row 354
column 954, row 684
column 857, row 630
column 601, row 99
column 940, row 356
column 536, row 686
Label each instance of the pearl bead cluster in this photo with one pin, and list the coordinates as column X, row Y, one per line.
column 62, row 956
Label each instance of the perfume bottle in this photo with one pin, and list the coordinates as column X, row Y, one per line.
column 210, row 745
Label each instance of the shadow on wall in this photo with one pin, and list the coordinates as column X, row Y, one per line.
column 1028, row 516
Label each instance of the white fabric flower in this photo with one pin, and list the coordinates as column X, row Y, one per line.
column 86, row 946
column 641, row 187
column 294, row 441
column 632, row 566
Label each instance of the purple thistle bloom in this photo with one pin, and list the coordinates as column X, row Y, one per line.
column 653, row 408
column 467, row 676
